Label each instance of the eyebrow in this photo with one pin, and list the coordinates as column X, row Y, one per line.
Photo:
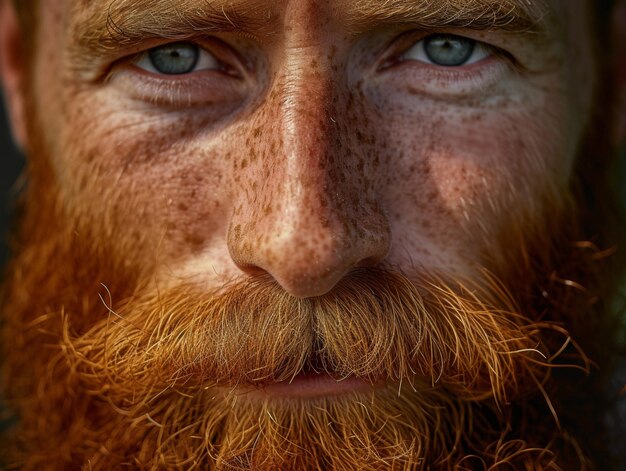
column 107, row 24
column 531, row 17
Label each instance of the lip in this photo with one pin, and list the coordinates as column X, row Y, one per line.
column 312, row 385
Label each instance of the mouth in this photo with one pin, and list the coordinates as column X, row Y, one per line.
column 312, row 385
column 314, row 381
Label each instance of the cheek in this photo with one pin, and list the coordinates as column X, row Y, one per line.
column 145, row 180
column 466, row 173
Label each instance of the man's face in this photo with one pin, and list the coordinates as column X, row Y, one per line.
column 303, row 139
column 190, row 149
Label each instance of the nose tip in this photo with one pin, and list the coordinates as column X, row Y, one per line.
column 309, row 263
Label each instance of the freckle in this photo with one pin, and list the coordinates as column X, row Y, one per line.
column 196, row 241
column 333, row 52
column 257, row 132
column 246, row 248
column 413, row 91
column 183, row 207
column 244, row 163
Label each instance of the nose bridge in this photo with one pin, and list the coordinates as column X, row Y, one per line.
column 309, row 134
column 300, row 224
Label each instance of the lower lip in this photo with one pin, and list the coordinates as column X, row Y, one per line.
column 313, row 385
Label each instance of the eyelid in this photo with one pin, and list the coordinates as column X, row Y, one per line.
column 481, row 52
column 231, row 62
column 206, row 61
column 410, row 38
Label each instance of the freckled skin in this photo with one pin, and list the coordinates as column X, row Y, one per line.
column 315, row 162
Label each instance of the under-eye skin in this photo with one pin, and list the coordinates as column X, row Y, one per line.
column 447, row 50
column 444, row 66
column 178, row 59
column 183, row 74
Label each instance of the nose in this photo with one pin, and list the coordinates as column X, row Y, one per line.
column 307, row 211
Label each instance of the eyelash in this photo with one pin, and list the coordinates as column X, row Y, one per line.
column 401, row 46
column 228, row 62
column 145, row 62
column 420, row 51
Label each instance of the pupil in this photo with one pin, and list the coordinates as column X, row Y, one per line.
column 449, row 51
column 175, row 59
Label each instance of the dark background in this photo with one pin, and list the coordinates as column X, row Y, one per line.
column 11, row 163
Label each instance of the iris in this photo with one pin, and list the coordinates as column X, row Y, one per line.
column 448, row 50
column 175, row 59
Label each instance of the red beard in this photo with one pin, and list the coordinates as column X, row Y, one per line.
column 157, row 381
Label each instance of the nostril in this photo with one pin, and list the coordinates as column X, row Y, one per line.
column 305, row 266
column 251, row 269
column 369, row 262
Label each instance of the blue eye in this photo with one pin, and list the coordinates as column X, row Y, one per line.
column 447, row 50
column 175, row 59
column 178, row 59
